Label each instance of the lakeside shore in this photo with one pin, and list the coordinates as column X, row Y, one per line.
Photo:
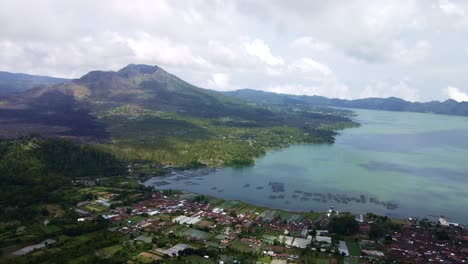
column 192, row 181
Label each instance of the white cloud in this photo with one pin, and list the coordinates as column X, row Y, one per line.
column 458, row 11
column 301, row 45
column 219, row 81
column 384, row 89
column 457, row 95
column 259, row 49
column 310, row 77
column 150, row 48
column 410, row 55
column 310, row 44
column 329, row 88
column 310, row 67
column 450, row 8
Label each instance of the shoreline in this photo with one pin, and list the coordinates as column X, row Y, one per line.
column 431, row 217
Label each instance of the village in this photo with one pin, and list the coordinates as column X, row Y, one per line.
column 172, row 226
column 193, row 221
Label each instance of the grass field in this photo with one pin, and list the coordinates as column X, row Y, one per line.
column 204, row 223
column 109, row 251
column 136, row 218
column 242, row 247
column 146, row 257
column 198, row 260
column 312, row 215
column 229, row 204
column 269, row 239
column 95, row 208
column 54, row 209
column 197, row 234
column 50, row 229
column 353, row 247
column 264, row 259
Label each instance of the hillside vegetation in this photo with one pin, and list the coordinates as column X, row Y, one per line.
column 144, row 114
column 32, row 169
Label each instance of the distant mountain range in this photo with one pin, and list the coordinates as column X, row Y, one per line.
column 448, row 107
column 17, row 82
column 143, row 113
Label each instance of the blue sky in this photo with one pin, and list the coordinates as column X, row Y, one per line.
column 416, row 50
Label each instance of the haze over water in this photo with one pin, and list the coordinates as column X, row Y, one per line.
column 397, row 163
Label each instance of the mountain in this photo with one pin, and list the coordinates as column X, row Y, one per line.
column 144, row 113
column 17, row 82
column 448, row 107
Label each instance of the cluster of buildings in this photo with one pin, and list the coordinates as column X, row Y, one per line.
column 415, row 243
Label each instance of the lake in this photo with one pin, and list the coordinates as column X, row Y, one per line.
column 396, row 163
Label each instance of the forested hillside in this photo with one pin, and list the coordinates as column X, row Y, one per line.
column 32, row 169
column 142, row 113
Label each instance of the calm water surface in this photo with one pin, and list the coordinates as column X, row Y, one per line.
column 398, row 164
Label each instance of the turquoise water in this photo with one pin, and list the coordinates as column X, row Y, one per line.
column 398, row 164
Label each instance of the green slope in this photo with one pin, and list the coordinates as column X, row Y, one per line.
column 144, row 113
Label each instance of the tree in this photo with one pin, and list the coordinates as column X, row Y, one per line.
column 344, row 225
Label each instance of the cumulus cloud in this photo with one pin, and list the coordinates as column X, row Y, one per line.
column 330, row 88
column 150, row 48
column 387, row 89
column 310, row 77
column 457, row 95
column 410, row 55
column 339, row 49
column 450, row 8
column 310, row 67
column 219, row 81
column 310, row 44
column 259, row 49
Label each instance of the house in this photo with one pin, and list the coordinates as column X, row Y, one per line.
column 173, row 251
column 81, row 212
column 343, row 248
column 28, row 249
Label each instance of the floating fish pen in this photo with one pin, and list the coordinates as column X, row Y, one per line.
column 363, row 199
column 277, row 186
column 392, row 206
column 340, row 198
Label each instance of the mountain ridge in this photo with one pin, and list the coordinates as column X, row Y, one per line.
column 448, row 107
column 142, row 112
column 18, row 82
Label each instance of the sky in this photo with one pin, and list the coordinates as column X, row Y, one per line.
column 415, row 50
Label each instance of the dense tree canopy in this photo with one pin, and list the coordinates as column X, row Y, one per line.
column 32, row 169
column 343, row 225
